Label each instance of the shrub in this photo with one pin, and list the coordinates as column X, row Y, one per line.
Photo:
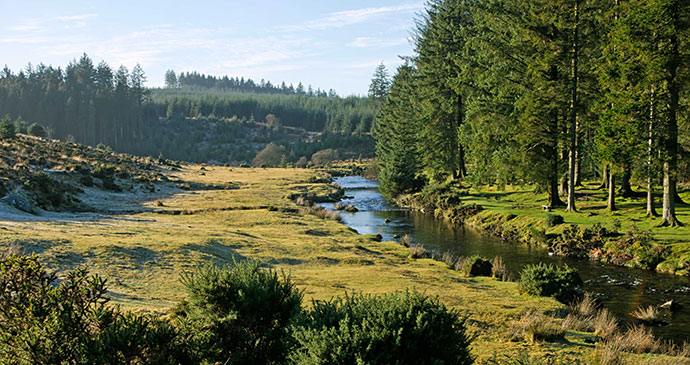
column 301, row 163
column 324, row 157
column 400, row 328
column 37, row 130
column 578, row 242
column 6, row 128
column 50, row 194
column 19, row 126
column 43, row 322
column 271, row 155
column 563, row 283
column 553, row 220
column 238, row 314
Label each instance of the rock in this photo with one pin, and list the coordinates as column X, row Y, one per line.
column 481, row 268
column 19, row 202
column 396, row 236
column 671, row 305
column 351, row 209
column 386, row 220
column 377, row 238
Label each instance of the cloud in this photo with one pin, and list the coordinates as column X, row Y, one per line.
column 348, row 17
column 367, row 42
column 28, row 25
column 24, row 40
column 69, row 18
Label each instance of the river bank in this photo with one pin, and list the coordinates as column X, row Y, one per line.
column 624, row 238
column 620, row 289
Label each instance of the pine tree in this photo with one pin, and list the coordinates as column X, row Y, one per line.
column 396, row 137
column 171, row 79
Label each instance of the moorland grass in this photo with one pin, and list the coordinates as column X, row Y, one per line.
column 237, row 213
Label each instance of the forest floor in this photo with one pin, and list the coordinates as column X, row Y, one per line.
column 235, row 213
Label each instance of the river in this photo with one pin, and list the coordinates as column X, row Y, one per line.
column 621, row 290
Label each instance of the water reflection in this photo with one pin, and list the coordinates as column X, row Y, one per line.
column 621, row 290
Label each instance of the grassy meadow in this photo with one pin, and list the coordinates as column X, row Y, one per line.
column 235, row 213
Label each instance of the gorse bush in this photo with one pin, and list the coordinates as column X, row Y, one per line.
column 553, row 220
column 238, row 314
column 401, row 328
column 563, row 283
column 37, row 130
column 45, row 323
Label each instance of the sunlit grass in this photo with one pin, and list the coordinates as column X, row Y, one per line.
column 247, row 213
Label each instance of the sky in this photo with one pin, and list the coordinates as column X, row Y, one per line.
column 324, row 43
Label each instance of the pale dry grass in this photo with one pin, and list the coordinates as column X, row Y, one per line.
column 646, row 314
column 605, row 324
column 536, row 327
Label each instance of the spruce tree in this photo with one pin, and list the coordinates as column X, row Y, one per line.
column 397, row 136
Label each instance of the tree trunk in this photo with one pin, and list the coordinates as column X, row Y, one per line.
column 626, row 190
column 462, row 171
column 651, row 211
column 573, row 115
column 578, row 155
column 668, row 215
column 612, row 192
column 605, row 178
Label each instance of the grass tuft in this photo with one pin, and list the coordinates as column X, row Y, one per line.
column 605, row 324
column 536, row 327
column 649, row 314
column 418, row 252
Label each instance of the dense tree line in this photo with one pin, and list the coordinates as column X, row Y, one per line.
column 195, row 79
column 543, row 92
column 92, row 103
column 198, row 120
column 336, row 115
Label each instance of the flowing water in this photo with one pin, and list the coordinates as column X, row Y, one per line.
column 621, row 290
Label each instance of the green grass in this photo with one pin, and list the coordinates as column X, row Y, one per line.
column 521, row 201
column 143, row 254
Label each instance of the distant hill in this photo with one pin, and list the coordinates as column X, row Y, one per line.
column 200, row 121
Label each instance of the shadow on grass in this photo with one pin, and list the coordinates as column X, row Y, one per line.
column 216, row 253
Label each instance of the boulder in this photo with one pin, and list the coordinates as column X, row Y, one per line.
column 481, row 267
column 351, row 209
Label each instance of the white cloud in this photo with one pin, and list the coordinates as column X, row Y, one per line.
column 28, row 25
column 69, row 18
column 24, row 40
column 367, row 42
column 348, row 17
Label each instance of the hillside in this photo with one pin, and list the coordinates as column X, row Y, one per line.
column 98, row 106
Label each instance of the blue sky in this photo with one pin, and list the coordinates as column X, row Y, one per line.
column 328, row 44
